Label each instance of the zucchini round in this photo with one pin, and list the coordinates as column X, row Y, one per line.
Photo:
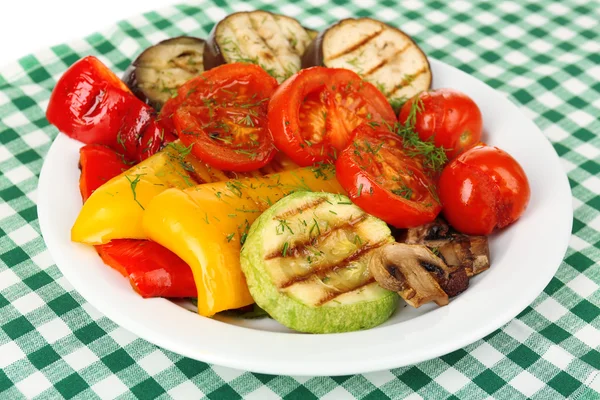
column 306, row 263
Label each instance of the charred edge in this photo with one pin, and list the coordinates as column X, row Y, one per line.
column 297, row 210
column 323, row 270
column 231, row 174
column 387, row 60
column 434, row 269
column 299, row 248
column 404, row 82
column 197, row 179
column 273, row 167
column 356, row 45
column 332, row 295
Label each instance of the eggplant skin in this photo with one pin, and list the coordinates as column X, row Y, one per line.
column 212, row 56
column 273, row 41
column 160, row 69
column 382, row 54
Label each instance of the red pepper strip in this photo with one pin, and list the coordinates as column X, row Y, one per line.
column 90, row 104
column 98, row 165
column 153, row 270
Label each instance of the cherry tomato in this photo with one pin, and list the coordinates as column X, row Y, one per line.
column 452, row 118
column 482, row 189
column 222, row 114
column 312, row 114
column 383, row 180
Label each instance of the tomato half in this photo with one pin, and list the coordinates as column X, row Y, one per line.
column 482, row 189
column 312, row 114
column 452, row 118
column 222, row 114
column 384, row 181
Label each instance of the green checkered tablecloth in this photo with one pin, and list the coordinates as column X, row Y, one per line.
column 544, row 55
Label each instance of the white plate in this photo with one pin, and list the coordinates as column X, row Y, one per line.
column 524, row 258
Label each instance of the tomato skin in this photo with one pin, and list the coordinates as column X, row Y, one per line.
column 222, row 114
column 325, row 88
column 362, row 175
column 482, row 189
column 92, row 105
column 451, row 117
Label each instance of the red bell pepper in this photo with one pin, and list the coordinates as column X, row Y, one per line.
column 153, row 270
column 98, row 165
column 91, row 104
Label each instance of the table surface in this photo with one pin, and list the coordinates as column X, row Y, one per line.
column 545, row 56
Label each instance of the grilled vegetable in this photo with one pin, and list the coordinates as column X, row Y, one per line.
column 457, row 250
column 383, row 55
column 306, row 263
column 114, row 211
column 275, row 42
column 206, row 224
column 160, row 70
column 406, row 269
column 90, row 104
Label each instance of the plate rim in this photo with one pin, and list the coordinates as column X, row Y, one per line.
column 285, row 367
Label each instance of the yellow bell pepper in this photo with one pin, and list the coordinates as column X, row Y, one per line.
column 114, row 210
column 205, row 226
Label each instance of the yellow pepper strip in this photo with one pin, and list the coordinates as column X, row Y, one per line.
column 205, row 226
column 114, row 210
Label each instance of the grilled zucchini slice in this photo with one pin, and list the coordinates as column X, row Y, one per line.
column 381, row 54
column 273, row 41
column 306, row 263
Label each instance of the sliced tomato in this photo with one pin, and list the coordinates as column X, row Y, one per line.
column 312, row 114
column 384, row 181
column 222, row 114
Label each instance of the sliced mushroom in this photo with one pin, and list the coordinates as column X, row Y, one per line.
column 456, row 249
column 403, row 268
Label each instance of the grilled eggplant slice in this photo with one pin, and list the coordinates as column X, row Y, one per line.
column 160, row 70
column 381, row 54
column 306, row 263
column 275, row 42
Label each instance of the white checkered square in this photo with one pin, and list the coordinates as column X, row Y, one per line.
column 452, row 380
column 54, row 330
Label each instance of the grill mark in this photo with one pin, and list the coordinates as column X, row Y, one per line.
column 273, row 54
column 403, row 83
column 197, row 179
column 386, row 61
column 323, row 270
column 300, row 248
column 332, row 295
column 356, row 45
column 300, row 209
